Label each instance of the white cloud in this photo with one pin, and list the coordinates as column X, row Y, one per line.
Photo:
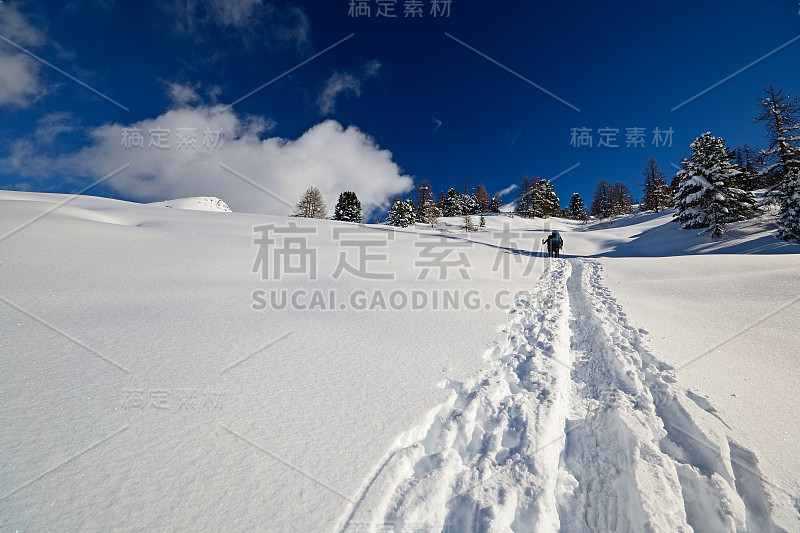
column 344, row 83
column 182, row 95
column 54, row 124
column 233, row 12
column 438, row 124
column 340, row 83
column 372, row 68
column 14, row 27
column 255, row 21
column 19, row 74
column 327, row 156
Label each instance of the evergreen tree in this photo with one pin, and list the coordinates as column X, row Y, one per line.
column 781, row 172
column 401, row 214
column 469, row 204
column 311, row 205
column 789, row 215
column 348, row 208
column 482, row 199
column 537, row 198
column 495, row 204
column 426, row 210
column 657, row 194
column 750, row 178
column 706, row 198
column 601, row 203
column 675, row 186
column 545, row 201
column 451, row 204
column 577, row 210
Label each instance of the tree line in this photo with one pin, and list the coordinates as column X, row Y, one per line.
column 713, row 188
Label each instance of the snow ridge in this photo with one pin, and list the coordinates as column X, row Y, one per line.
column 574, row 426
column 489, row 459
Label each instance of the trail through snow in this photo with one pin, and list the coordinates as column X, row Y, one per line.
column 574, row 426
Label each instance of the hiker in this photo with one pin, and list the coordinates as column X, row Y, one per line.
column 554, row 243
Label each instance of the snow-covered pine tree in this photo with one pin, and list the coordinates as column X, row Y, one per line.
column 311, row 205
column 706, row 198
column 348, row 208
column 469, row 204
column 577, row 210
column 451, row 204
column 401, row 214
column 546, row 202
column 657, row 194
column 495, row 204
column 426, row 210
column 789, row 215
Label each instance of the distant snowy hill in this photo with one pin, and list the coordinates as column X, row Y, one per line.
column 163, row 371
column 199, row 203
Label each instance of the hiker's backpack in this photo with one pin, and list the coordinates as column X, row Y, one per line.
column 557, row 241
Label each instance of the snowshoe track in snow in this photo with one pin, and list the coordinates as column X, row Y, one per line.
column 574, row 426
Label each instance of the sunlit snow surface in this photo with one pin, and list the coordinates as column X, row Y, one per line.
column 143, row 391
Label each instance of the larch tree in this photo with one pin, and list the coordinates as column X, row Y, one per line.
column 482, row 199
column 311, row 205
column 621, row 199
column 780, row 114
column 601, row 203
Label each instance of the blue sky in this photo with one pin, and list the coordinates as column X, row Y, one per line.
column 417, row 87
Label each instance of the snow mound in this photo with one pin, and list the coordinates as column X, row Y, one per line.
column 198, row 203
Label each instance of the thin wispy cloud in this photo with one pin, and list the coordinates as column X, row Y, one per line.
column 343, row 83
column 253, row 21
column 437, row 124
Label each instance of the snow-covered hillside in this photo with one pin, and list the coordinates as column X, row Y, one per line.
column 165, row 370
column 200, row 203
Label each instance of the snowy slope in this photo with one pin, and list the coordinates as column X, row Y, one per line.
column 144, row 389
column 200, row 203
